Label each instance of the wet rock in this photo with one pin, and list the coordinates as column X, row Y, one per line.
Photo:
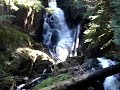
column 42, row 67
column 74, row 61
column 91, row 65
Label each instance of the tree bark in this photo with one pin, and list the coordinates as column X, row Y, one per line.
column 99, row 75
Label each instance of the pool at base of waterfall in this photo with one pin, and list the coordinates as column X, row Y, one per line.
column 111, row 82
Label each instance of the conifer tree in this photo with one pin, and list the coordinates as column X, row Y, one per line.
column 115, row 13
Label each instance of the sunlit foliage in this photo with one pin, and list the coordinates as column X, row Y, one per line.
column 14, row 4
column 99, row 30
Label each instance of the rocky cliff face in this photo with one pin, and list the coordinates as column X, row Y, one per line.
column 74, row 11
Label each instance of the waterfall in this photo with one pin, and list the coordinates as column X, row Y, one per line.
column 61, row 41
column 111, row 82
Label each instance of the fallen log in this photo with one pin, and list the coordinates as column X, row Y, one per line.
column 32, row 83
column 91, row 79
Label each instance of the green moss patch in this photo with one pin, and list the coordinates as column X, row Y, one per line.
column 52, row 80
column 11, row 38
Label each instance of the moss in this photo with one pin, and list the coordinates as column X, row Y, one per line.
column 11, row 38
column 52, row 81
column 45, row 83
column 6, row 83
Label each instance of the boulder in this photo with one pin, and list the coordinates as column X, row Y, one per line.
column 32, row 54
column 11, row 37
column 32, row 61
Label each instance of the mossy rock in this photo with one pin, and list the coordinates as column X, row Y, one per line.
column 11, row 37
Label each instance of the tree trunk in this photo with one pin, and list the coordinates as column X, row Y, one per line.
column 99, row 75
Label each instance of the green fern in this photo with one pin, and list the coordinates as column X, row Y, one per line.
column 6, row 18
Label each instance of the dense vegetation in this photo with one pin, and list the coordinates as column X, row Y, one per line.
column 104, row 27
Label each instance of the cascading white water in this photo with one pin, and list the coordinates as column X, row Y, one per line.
column 57, row 36
column 111, row 82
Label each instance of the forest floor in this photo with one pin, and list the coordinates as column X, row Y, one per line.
column 63, row 76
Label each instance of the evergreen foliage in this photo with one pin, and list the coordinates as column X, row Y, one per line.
column 105, row 20
column 115, row 12
column 99, row 31
column 6, row 18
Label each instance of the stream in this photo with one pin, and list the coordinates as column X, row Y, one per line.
column 111, row 82
column 63, row 42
